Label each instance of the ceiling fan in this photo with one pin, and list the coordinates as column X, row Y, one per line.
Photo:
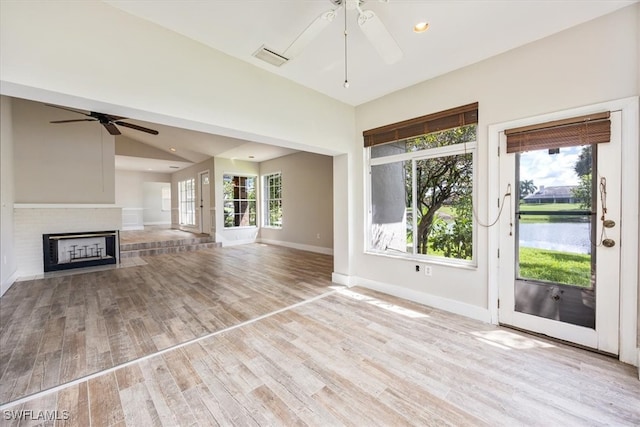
column 368, row 21
column 107, row 120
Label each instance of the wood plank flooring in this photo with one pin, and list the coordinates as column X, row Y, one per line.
column 58, row 329
column 325, row 356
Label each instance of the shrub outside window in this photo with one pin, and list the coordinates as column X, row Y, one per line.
column 272, row 203
column 187, row 202
column 421, row 193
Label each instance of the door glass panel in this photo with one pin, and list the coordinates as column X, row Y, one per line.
column 555, row 222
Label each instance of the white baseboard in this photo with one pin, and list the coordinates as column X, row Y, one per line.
column 308, row 248
column 238, row 242
column 132, row 228
column 341, row 279
column 4, row 287
column 441, row 303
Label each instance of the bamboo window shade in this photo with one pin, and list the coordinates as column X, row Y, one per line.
column 443, row 120
column 583, row 130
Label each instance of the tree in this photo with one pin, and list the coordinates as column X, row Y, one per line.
column 440, row 181
column 583, row 191
column 583, row 164
column 455, row 239
column 526, row 188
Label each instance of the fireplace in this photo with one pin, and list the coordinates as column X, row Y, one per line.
column 64, row 251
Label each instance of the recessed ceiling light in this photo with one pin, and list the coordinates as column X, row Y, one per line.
column 149, row 169
column 172, row 149
column 174, row 167
column 252, row 157
column 421, row 27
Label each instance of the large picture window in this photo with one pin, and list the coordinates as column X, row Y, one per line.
column 272, row 199
column 421, row 194
column 239, row 201
column 187, row 201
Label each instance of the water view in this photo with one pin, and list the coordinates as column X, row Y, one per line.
column 559, row 236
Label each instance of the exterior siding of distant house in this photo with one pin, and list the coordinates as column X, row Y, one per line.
column 559, row 194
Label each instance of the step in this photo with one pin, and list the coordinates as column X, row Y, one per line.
column 166, row 243
column 129, row 250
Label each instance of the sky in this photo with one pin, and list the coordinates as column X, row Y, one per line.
column 550, row 169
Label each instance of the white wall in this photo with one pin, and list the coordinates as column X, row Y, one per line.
column 176, row 81
column 153, row 213
column 60, row 163
column 545, row 76
column 307, row 200
column 130, row 196
column 8, row 264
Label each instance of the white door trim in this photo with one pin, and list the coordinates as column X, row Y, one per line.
column 630, row 206
column 204, row 205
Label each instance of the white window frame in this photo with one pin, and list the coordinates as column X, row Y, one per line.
column 166, row 198
column 266, row 199
column 255, row 201
column 429, row 153
column 187, row 202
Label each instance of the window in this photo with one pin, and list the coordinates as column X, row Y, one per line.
column 239, row 201
column 166, row 198
column 187, row 201
column 272, row 191
column 421, row 190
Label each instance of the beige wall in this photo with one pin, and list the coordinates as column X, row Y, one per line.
column 549, row 75
column 60, row 163
column 7, row 254
column 307, row 199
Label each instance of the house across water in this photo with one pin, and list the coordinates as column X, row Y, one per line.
column 558, row 194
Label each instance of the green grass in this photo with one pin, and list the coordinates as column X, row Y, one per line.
column 555, row 266
column 551, row 207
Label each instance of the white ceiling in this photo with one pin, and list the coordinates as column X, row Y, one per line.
column 461, row 32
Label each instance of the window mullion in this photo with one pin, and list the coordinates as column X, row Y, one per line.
column 414, row 206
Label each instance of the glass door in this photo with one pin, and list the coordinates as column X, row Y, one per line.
column 559, row 242
column 555, row 234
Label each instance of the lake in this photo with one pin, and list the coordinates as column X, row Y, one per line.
column 561, row 236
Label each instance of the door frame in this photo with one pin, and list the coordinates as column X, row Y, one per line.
column 205, row 210
column 630, row 205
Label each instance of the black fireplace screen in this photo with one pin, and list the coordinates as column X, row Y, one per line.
column 64, row 251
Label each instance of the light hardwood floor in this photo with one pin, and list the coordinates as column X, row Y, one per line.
column 326, row 355
column 58, row 329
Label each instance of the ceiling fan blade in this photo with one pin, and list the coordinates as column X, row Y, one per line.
column 310, row 33
column 111, row 128
column 136, row 127
column 68, row 109
column 74, row 120
column 379, row 36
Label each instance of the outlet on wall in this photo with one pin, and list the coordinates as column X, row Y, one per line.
column 427, row 270
column 318, row 236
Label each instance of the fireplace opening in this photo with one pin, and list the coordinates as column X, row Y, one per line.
column 64, row 251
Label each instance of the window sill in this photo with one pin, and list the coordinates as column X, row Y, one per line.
column 242, row 227
column 445, row 262
column 271, row 227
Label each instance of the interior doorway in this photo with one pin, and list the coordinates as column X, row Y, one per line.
column 205, row 202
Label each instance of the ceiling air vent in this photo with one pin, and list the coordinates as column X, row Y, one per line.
column 268, row 55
